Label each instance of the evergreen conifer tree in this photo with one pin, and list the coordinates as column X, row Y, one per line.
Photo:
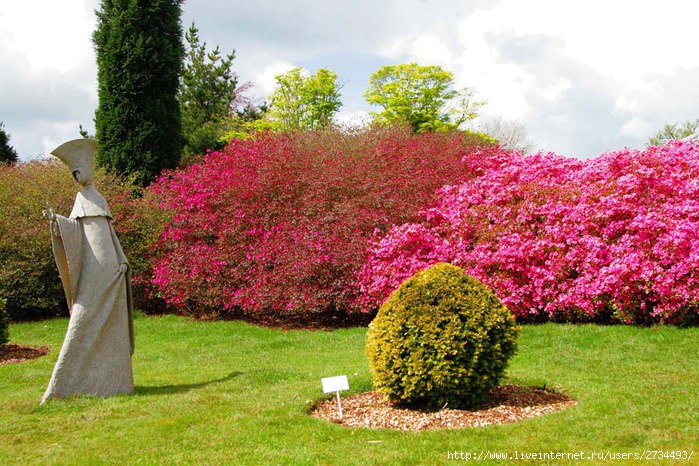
column 139, row 58
column 207, row 91
column 7, row 153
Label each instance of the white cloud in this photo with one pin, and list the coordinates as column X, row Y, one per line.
column 432, row 50
column 621, row 38
column 266, row 78
column 48, row 78
column 556, row 89
column 48, row 34
column 585, row 76
column 637, row 127
column 358, row 119
column 555, row 64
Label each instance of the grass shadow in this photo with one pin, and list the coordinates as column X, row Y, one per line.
column 181, row 388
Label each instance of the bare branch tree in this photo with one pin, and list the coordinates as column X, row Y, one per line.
column 510, row 133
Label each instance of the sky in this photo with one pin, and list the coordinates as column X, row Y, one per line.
column 583, row 77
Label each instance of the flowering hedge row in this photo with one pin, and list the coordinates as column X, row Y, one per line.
column 291, row 226
column 279, row 225
column 615, row 238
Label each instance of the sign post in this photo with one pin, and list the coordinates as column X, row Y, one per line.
column 336, row 384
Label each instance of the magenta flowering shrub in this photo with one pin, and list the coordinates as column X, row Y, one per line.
column 280, row 225
column 615, row 238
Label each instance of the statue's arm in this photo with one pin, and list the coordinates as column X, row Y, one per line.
column 123, row 262
column 53, row 218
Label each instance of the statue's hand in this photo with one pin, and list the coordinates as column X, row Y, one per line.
column 49, row 213
column 123, row 268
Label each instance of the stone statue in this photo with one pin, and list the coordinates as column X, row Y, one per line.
column 96, row 355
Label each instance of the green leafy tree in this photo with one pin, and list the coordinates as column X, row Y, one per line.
column 8, row 154
column 139, row 59
column 207, row 92
column 674, row 131
column 305, row 102
column 421, row 96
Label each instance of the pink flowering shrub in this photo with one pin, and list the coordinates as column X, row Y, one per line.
column 615, row 238
column 278, row 226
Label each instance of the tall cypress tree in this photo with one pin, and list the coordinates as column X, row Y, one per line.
column 139, row 59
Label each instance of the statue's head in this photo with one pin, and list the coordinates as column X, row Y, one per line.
column 79, row 155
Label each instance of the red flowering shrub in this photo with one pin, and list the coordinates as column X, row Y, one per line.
column 613, row 238
column 279, row 225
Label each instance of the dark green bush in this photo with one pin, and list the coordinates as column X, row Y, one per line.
column 4, row 324
column 442, row 338
column 29, row 278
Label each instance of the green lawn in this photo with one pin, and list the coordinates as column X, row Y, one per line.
column 231, row 393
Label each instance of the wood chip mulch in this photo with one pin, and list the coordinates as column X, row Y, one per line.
column 507, row 403
column 12, row 354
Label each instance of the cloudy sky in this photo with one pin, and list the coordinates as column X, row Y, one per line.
column 584, row 76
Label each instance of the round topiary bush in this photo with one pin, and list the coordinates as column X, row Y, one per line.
column 4, row 324
column 442, row 338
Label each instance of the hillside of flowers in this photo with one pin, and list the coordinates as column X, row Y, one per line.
column 612, row 239
column 279, row 226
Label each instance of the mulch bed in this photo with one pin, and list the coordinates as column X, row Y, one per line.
column 12, row 354
column 507, row 403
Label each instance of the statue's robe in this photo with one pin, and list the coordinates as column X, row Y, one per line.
column 95, row 358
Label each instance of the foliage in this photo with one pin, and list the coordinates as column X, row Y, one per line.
column 83, row 132
column 242, row 127
column 28, row 275
column 207, row 90
column 277, row 226
column 673, row 131
column 139, row 58
column 422, row 96
column 4, row 323
column 8, row 155
column 139, row 221
column 611, row 238
column 305, row 102
column 248, row 119
column 442, row 338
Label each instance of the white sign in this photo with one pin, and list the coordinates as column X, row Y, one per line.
column 335, row 384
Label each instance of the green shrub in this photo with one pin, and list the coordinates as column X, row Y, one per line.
column 28, row 275
column 29, row 278
column 4, row 323
column 442, row 338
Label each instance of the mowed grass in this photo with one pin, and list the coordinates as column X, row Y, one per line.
column 232, row 393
